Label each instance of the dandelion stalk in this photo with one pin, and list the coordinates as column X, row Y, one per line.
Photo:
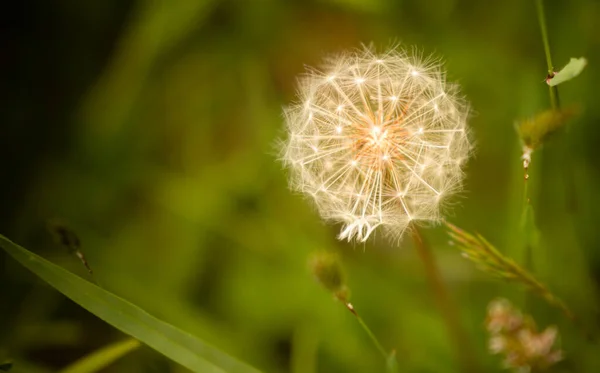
column 445, row 304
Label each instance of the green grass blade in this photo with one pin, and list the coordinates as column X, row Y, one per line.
column 103, row 357
column 170, row 341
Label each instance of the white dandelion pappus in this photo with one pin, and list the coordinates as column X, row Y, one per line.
column 376, row 140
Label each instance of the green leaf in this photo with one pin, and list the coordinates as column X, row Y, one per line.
column 103, row 357
column 571, row 70
column 170, row 341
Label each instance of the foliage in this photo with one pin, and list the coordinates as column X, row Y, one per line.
column 102, row 358
column 174, row 343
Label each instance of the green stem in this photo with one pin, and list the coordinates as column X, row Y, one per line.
column 445, row 304
column 368, row 330
column 554, row 99
column 528, row 225
column 526, row 201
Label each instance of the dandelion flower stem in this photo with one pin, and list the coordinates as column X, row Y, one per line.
column 554, row 100
column 445, row 304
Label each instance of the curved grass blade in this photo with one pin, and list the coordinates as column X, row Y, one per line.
column 103, row 357
column 174, row 343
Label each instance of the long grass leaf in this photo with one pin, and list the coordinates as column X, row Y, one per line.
column 103, row 357
column 176, row 344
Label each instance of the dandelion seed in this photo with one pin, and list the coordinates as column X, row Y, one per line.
column 378, row 132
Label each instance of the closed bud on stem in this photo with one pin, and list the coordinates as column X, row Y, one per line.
column 328, row 271
column 535, row 131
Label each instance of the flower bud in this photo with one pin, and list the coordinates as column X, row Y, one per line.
column 328, row 271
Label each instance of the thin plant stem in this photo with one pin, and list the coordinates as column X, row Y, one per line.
column 571, row 199
column 526, row 200
column 555, row 103
column 554, row 99
column 445, row 304
column 552, row 90
column 367, row 330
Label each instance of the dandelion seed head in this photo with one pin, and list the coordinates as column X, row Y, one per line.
column 376, row 140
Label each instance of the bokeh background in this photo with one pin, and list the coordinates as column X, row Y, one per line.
column 149, row 127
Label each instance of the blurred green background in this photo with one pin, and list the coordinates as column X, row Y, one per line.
column 150, row 126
